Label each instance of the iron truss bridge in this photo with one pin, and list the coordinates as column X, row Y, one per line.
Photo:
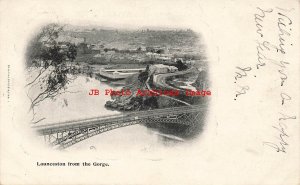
column 68, row 133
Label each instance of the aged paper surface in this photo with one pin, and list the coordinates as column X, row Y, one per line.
column 206, row 92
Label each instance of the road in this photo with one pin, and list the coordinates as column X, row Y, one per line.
column 160, row 79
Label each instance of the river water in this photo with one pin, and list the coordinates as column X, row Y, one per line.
column 76, row 103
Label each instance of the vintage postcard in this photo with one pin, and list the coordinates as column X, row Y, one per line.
column 150, row 92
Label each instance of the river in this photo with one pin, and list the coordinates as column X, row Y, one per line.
column 76, row 103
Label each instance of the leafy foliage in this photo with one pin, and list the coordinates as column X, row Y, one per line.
column 46, row 56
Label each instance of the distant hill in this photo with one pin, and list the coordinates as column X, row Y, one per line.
column 183, row 39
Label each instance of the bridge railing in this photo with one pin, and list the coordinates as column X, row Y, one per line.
column 83, row 123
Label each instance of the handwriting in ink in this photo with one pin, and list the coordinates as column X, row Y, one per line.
column 243, row 90
column 242, row 72
column 282, row 142
column 286, row 117
column 258, row 18
column 283, row 24
column 284, row 97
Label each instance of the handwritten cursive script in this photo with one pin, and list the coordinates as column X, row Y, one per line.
column 273, row 52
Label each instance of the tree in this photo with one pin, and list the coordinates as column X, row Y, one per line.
column 72, row 53
column 49, row 78
column 180, row 65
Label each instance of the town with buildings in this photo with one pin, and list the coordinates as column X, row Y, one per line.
column 163, row 69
